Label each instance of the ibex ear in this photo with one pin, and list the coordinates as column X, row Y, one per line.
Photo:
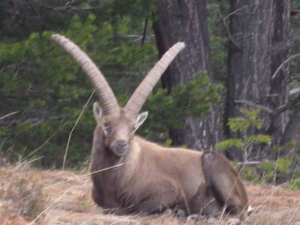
column 97, row 110
column 140, row 120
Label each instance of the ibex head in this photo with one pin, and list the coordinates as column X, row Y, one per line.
column 118, row 129
column 118, row 125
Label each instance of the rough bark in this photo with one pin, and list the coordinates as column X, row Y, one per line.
column 291, row 137
column 186, row 20
column 257, row 27
column 279, row 90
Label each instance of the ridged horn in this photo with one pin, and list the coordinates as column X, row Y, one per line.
column 105, row 93
column 142, row 92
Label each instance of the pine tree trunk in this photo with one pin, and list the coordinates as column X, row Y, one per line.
column 291, row 137
column 186, row 20
column 257, row 29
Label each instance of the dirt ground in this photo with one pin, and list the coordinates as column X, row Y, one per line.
column 30, row 196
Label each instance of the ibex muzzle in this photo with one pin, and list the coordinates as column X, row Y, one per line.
column 133, row 175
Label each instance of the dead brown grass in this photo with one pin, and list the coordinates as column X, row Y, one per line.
column 21, row 198
column 29, row 196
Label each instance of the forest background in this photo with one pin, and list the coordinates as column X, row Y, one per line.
column 235, row 88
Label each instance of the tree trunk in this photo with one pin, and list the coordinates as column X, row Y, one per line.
column 279, row 90
column 257, row 28
column 186, row 20
column 291, row 137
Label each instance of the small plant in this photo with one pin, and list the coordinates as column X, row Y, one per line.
column 249, row 174
column 276, row 171
column 295, row 183
column 241, row 124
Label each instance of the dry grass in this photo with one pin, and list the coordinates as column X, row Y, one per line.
column 21, row 198
column 28, row 196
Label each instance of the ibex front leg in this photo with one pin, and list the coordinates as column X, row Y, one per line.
column 162, row 195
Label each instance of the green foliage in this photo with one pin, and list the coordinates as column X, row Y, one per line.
column 295, row 4
column 249, row 174
column 281, row 165
column 295, row 182
column 170, row 109
column 248, row 119
column 229, row 143
column 167, row 143
column 259, row 138
column 272, row 170
column 46, row 87
column 218, row 38
column 276, row 172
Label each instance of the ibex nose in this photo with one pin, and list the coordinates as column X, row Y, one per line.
column 120, row 147
column 121, row 143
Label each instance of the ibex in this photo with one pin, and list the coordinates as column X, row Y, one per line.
column 133, row 175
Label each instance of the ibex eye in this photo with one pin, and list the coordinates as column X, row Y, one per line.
column 106, row 124
column 106, row 127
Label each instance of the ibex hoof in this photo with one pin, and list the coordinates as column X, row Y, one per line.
column 176, row 212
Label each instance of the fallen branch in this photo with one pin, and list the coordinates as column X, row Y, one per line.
column 249, row 163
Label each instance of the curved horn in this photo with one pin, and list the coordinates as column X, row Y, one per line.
column 140, row 95
column 106, row 95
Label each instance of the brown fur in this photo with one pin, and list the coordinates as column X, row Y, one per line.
column 150, row 179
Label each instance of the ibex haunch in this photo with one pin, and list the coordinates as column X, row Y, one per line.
column 133, row 175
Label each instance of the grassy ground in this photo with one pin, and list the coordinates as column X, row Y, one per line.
column 29, row 196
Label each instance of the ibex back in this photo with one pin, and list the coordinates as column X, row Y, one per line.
column 133, row 175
